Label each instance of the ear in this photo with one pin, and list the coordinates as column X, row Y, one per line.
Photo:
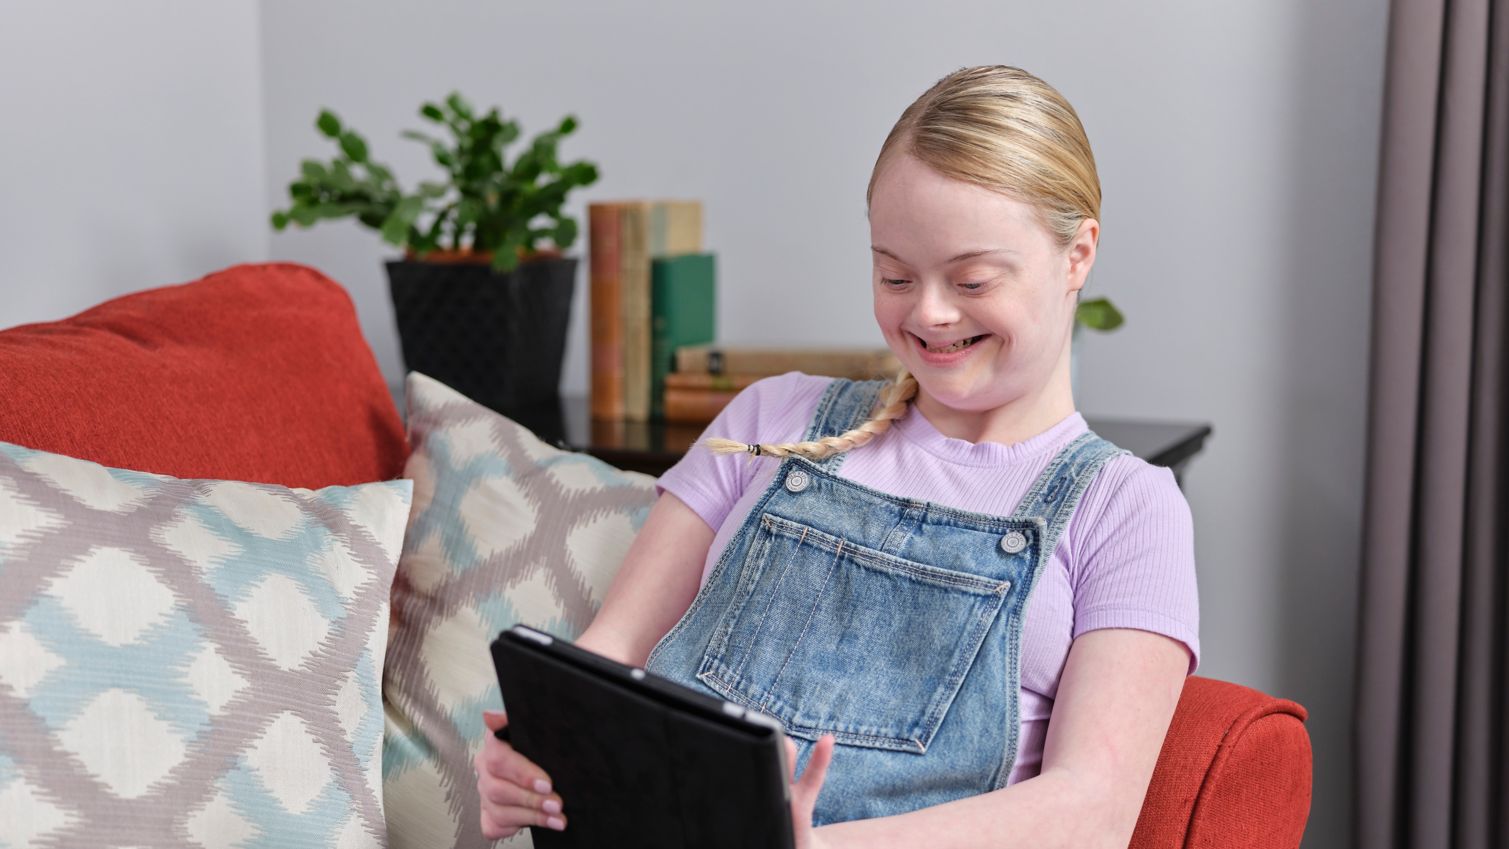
column 1080, row 255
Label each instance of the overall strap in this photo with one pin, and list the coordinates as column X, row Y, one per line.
column 845, row 405
column 1058, row 489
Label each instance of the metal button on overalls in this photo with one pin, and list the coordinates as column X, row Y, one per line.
column 1013, row 542
column 797, row 481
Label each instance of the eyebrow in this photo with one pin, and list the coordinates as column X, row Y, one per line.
column 959, row 258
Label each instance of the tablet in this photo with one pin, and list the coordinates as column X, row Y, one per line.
column 637, row 759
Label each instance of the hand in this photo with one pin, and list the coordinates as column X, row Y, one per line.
column 804, row 791
column 515, row 793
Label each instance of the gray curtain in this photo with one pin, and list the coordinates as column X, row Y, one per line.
column 1433, row 644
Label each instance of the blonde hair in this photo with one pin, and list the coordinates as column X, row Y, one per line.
column 996, row 127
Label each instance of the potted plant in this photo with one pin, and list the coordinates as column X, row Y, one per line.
column 481, row 304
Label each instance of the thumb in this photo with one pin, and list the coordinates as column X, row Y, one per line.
column 494, row 719
column 804, row 791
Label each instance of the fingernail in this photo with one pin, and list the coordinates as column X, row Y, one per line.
column 541, row 785
column 556, row 823
column 551, row 806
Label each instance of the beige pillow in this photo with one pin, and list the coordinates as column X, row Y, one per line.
column 505, row 529
column 190, row 662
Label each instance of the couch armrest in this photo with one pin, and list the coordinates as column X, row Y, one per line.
column 1235, row 772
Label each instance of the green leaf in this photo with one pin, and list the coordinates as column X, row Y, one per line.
column 279, row 220
column 459, row 105
column 341, row 178
column 565, row 233
column 395, row 229
column 568, row 125
column 303, row 215
column 328, row 124
column 1099, row 314
column 313, row 171
column 378, row 172
column 506, row 257
column 354, row 146
column 432, row 112
column 416, row 135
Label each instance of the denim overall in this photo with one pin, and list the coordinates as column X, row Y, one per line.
column 893, row 624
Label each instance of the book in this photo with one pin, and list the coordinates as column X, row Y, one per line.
column 695, row 406
column 675, row 227
column 625, row 236
column 682, row 312
column 634, row 278
column 606, row 321
column 703, row 380
column 854, row 363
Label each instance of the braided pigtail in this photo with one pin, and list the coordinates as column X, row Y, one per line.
column 890, row 406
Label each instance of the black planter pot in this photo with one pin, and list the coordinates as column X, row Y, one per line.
column 496, row 338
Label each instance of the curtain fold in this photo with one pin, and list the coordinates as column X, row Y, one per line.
column 1430, row 748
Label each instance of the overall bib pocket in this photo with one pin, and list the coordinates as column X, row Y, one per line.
column 797, row 641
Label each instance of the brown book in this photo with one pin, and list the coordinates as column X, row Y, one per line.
column 695, row 406
column 634, row 277
column 675, row 227
column 606, row 321
column 853, row 363
column 703, row 380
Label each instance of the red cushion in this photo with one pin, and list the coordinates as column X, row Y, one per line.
column 256, row 373
column 1235, row 772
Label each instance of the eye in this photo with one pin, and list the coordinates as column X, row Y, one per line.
column 893, row 284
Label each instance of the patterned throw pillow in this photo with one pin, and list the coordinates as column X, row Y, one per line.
column 505, row 529
column 190, row 662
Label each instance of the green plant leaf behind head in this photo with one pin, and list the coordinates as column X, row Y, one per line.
column 328, row 124
column 432, row 112
column 1099, row 314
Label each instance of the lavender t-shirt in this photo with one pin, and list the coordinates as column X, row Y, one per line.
column 1125, row 560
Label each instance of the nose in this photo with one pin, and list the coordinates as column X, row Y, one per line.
column 935, row 306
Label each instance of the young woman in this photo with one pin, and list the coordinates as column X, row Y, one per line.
column 973, row 616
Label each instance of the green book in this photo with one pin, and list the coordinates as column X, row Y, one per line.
column 682, row 312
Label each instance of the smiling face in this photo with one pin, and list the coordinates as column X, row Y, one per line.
column 976, row 298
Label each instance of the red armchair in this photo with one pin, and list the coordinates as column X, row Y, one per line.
column 1234, row 773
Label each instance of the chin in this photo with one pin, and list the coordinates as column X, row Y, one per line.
column 964, row 398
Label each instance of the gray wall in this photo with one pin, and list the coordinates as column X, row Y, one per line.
column 132, row 149
column 1237, row 144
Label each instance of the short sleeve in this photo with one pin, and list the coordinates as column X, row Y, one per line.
column 1134, row 556
column 774, row 409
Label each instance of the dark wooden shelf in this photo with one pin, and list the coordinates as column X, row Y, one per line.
column 653, row 447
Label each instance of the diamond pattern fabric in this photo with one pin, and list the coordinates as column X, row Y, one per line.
column 190, row 662
column 505, row 529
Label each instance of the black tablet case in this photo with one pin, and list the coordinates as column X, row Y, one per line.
column 639, row 761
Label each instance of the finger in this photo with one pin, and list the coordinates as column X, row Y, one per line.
column 500, row 760
column 790, row 759
column 492, row 830
column 498, row 791
column 494, row 719
column 507, row 817
column 811, row 782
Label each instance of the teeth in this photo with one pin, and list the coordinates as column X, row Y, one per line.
column 957, row 346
